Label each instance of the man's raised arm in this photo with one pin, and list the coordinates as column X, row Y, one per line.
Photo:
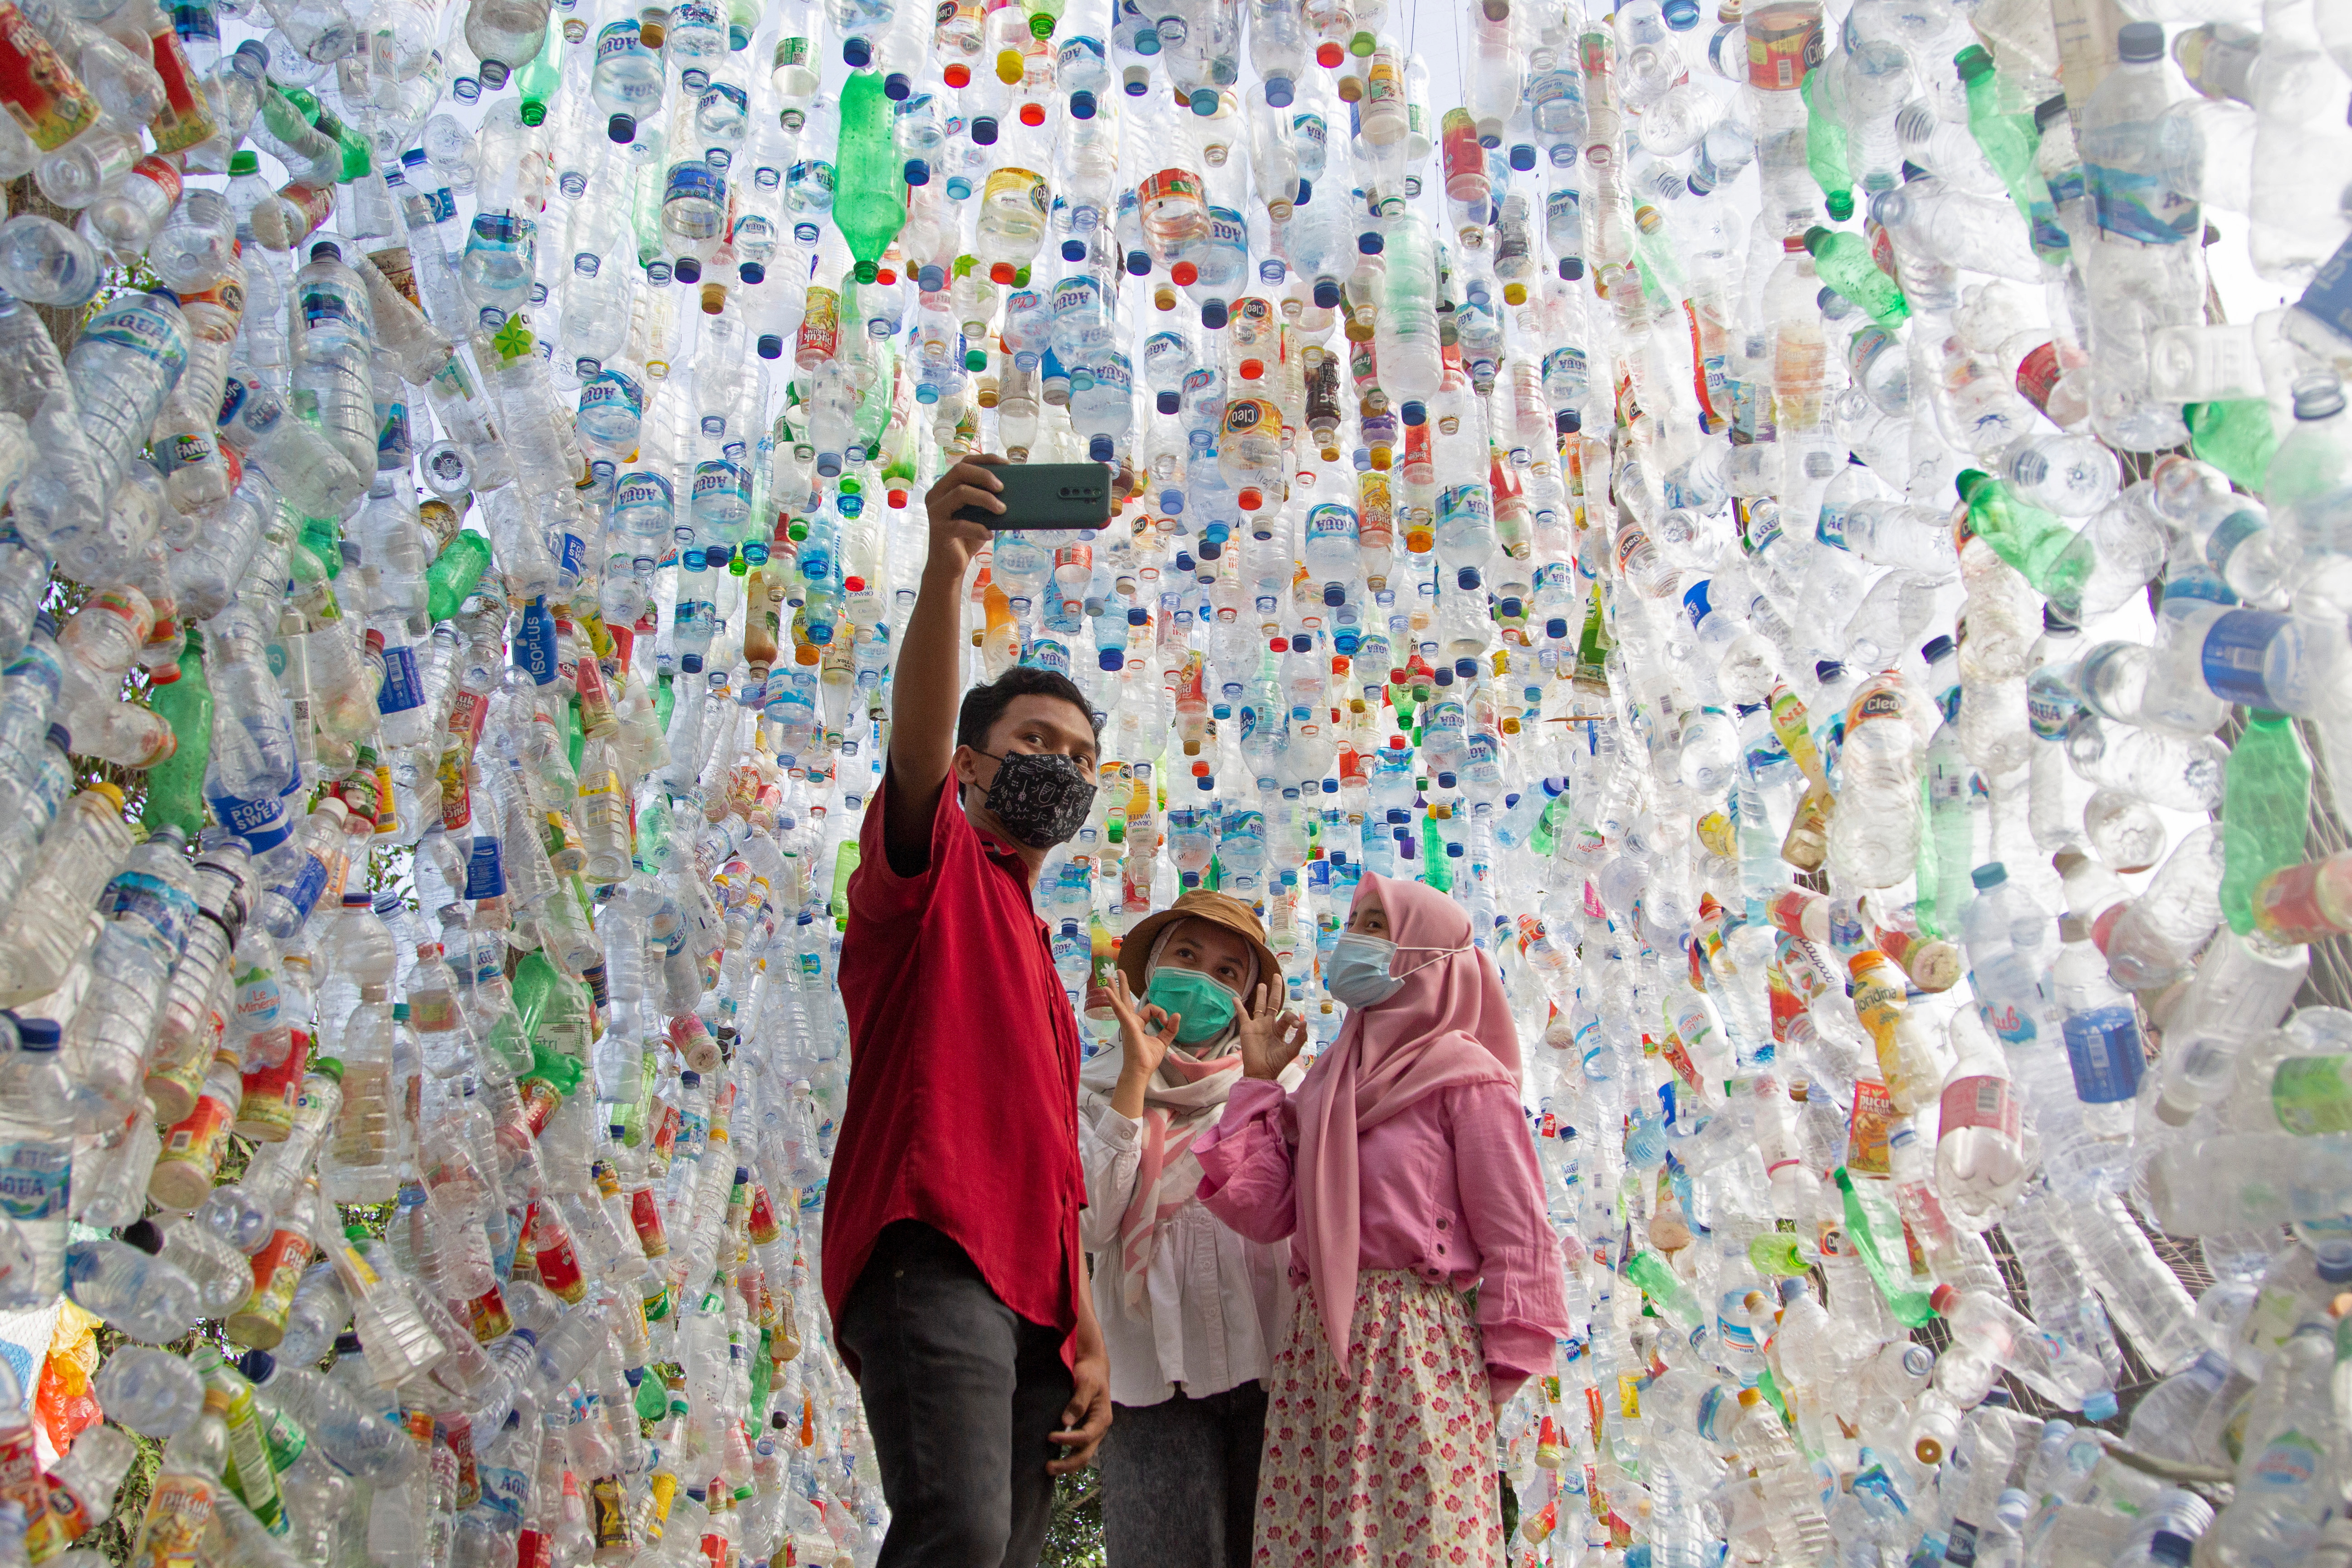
column 928, row 682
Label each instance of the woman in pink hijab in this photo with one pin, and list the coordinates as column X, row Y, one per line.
column 1402, row 1174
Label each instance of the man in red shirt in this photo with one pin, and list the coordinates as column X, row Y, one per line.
column 951, row 1264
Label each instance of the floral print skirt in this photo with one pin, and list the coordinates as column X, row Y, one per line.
column 1392, row 1462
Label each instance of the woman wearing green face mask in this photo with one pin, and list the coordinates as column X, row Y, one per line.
column 1189, row 1308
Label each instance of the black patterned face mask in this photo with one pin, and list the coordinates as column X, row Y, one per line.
column 1042, row 799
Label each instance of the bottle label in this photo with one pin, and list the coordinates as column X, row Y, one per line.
column 1167, row 185
column 1983, row 1102
column 2037, row 375
column 2050, row 707
column 277, row 1271
column 608, row 1513
column 618, row 39
column 324, row 303
column 195, row 22
column 2103, row 1047
column 1784, row 44
column 2288, row 1463
column 2005, row 1014
column 309, row 883
column 174, row 452
column 198, row 1137
column 280, row 1433
column 145, row 330
column 694, row 180
column 35, row 1178
column 2233, row 655
column 1872, row 1125
column 44, row 96
column 720, row 488
column 401, row 690
column 249, row 818
column 2141, row 205
column 506, row 1489
column 2310, row 1097
column 1473, row 504
column 645, row 1215
column 641, row 490
column 611, row 390
column 149, row 898
column 1332, row 524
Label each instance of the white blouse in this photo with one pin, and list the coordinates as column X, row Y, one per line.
column 1214, row 1302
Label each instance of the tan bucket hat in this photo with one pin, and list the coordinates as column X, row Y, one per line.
column 1217, row 909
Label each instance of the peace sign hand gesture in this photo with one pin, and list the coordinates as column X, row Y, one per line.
column 1270, row 1040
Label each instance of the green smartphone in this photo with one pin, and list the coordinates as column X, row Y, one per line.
column 1048, row 497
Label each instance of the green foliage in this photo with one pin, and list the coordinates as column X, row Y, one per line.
column 1075, row 1538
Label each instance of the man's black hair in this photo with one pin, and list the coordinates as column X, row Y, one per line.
column 985, row 705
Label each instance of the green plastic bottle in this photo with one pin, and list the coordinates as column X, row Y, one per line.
column 356, row 159
column 869, row 202
column 324, row 538
column 2010, row 142
column 2265, row 807
column 1825, row 148
column 454, row 574
column 1665, row 1289
column 175, row 786
column 1845, row 262
column 2236, row 437
column 538, row 80
column 2030, row 538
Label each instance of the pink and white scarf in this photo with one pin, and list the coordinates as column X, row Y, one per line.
column 1185, row 1098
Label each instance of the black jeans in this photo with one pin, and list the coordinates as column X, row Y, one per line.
column 960, row 1394
column 1180, row 1480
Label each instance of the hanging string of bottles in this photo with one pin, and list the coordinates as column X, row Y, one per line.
column 1758, row 508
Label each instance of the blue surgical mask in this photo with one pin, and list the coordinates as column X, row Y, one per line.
column 1357, row 973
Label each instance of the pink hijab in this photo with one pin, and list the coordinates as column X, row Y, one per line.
column 1448, row 1025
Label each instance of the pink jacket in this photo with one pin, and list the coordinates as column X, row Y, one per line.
column 1450, row 1191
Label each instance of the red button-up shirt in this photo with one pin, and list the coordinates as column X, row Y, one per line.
column 963, row 1071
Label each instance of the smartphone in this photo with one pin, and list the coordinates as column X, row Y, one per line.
column 1048, row 497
